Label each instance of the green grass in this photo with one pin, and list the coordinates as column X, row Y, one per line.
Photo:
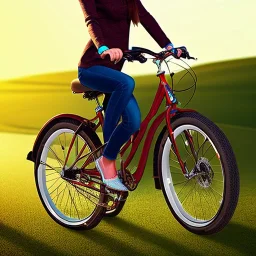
column 145, row 226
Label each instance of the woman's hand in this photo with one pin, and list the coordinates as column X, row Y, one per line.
column 115, row 54
column 176, row 51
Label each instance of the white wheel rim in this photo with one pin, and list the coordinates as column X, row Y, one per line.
column 41, row 178
column 168, row 183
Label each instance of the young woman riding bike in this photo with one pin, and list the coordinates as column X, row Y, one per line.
column 108, row 24
column 193, row 163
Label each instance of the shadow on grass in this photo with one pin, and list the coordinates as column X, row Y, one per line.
column 139, row 233
column 237, row 236
column 112, row 244
column 27, row 243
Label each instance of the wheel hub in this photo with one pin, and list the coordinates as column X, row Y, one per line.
column 205, row 174
column 71, row 174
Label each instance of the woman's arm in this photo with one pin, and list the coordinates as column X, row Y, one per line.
column 91, row 15
column 151, row 26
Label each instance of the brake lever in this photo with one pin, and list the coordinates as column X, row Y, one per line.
column 192, row 58
column 187, row 56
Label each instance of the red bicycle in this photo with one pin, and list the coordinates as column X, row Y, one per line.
column 194, row 164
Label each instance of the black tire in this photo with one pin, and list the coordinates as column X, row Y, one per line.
column 94, row 142
column 229, row 167
column 118, row 209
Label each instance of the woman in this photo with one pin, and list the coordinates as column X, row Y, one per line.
column 108, row 23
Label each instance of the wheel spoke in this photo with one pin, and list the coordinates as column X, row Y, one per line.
column 183, row 187
column 55, row 188
column 184, row 143
column 182, row 202
column 212, row 157
column 179, row 183
column 58, row 193
column 197, row 141
column 201, row 204
column 205, row 140
column 76, row 146
column 177, row 173
column 212, row 200
column 63, row 193
column 216, row 192
column 219, row 180
column 207, row 201
column 175, row 156
column 50, row 174
column 87, row 195
column 193, row 200
column 72, row 201
column 52, row 179
column 50, row 167
column 176, row 168
column 62, row 147
column 56, row 157
column 203, row 153
column 65, row 141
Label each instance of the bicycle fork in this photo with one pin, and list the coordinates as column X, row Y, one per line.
column 171, row 112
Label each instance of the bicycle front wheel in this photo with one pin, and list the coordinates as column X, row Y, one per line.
column 68, row 202
column 204, row 200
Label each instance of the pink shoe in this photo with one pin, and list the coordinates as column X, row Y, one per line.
column 113, row 183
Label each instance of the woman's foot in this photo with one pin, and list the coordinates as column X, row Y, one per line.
column 108, row 172
column 108, row 167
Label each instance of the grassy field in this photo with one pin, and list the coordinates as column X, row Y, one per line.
column 225, row 94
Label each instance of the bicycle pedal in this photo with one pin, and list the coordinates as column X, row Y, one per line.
column 122, row 199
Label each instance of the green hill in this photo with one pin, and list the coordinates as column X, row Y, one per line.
column 225, row 93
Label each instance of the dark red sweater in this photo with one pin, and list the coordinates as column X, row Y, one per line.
column 109, row 24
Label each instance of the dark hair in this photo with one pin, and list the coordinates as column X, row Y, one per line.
column 133, row 11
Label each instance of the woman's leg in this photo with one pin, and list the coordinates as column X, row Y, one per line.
column 131, row 119
column 121, row 87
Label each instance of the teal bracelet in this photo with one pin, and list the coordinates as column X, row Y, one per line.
column 170, row 44
column 102, row 49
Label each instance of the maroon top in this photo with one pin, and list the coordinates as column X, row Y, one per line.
column 108, row 24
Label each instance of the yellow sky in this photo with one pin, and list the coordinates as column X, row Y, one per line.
column 49, row 35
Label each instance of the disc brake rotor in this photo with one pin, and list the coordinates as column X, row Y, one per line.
column 205, row 174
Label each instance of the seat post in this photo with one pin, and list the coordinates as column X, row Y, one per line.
column 97, row 101
column 99, row 107
column 98, row 111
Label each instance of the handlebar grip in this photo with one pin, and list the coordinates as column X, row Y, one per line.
column 107, row 57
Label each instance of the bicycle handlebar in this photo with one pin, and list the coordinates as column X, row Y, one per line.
column 136, row 54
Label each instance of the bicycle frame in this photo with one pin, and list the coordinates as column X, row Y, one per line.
column 170, row 111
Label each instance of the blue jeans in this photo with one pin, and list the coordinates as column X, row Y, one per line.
column 121, row 103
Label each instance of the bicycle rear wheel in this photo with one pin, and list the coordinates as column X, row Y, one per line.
column 203, row 201
column 69, row 204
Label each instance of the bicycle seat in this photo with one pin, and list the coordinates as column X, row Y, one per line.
column 77, row 87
